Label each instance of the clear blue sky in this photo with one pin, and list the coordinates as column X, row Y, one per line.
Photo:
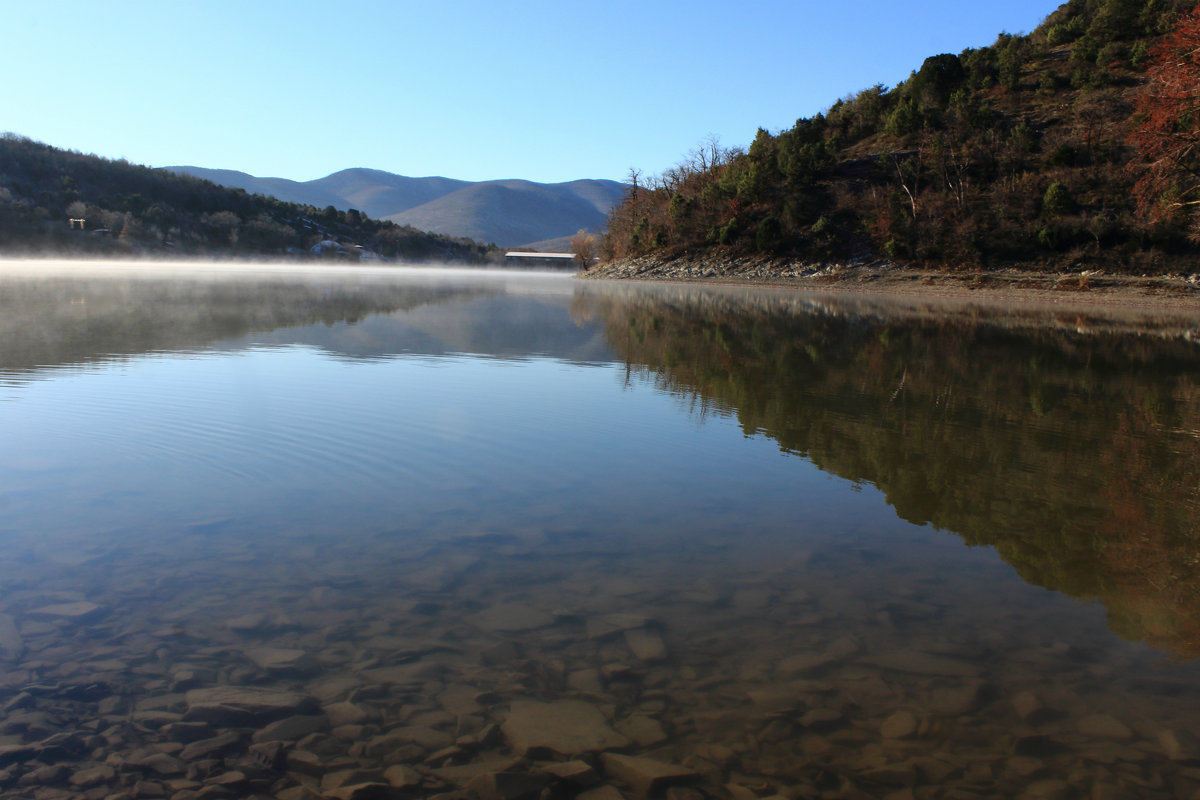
column 469, row 89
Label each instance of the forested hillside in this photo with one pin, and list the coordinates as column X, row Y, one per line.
column 1067, row 148
column 120, row 208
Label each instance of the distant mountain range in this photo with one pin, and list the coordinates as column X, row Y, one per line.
column 509, row 213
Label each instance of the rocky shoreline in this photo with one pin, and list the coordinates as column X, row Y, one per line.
column 750, row 686
column 881, row 277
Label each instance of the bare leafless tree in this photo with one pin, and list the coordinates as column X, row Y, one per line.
column 583, row 245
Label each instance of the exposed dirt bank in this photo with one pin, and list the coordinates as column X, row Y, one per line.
column 1085, row 286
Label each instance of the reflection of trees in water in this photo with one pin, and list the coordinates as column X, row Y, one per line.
column 1072, row 453
column 50, row 321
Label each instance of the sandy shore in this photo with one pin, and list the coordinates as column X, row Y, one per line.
column 883, row 278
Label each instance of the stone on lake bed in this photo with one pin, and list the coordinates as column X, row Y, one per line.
column 916, row 662
column 364, row 791
column 247, row 622
column 345, row 713
column 11, row 644
column 644, row 775
column 308, row 763
column 511, row 618
column 601, row 793
column 276, row 659
column 424, row 737
column 820, row 718
column 16, row 753
column 1104, row 726
column 462, row 775
column 415, row 673
column 1171, row 746
column 160, row 763
column 46, row 776
column 207, row 748
column 402, row 776
column 79, row 610
column 1048, row 789
column 230, row 779
column 646, row 644
column 507, row 786
column 93, row 776
column 1031, row 709
column 643, row 730
column 586, row 680
column 293, row 793
column 244, row 705
column 577, row 772
column 565, row 727
column 460, row 699
column 613, row 624
column 803, row 664
column 900, row 725
column 293, row 728
column 955, row 701
column 338, row 687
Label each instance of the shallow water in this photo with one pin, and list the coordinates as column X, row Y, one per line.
column 788, row 544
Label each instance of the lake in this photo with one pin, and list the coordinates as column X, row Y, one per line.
column 292, row 533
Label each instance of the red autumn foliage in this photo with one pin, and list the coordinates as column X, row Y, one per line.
column 1169, row 133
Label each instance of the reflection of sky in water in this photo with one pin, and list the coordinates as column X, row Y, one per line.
column 270, row 436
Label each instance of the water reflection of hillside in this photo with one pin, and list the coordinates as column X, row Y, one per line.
column 71, row 320
column 1065, row 440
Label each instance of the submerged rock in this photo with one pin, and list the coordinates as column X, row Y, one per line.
column 643, row 730
column 207, row 748
column 511, row 618
column 293, row 728
column 244, row 705
column 900, row 725
column 280, row 660
column 613, row 624
column 644, row 775
column 11, row 644
column 402, row 776
column 1105, row 727
column 646, row 645
column 364, row 791
column 345, row 713
column 462, row 775
column 919, row 663
column 601, row 793
column 74, row 611
column 565, row 727
column 577, row 772
column 507, row 786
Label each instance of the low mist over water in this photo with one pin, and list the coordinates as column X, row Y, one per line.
column 357, row 533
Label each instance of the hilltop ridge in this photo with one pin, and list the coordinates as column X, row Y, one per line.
column 508, row 212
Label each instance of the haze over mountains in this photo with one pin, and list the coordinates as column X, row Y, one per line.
column 509, row 213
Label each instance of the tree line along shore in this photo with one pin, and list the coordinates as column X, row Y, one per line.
column 1070, row 149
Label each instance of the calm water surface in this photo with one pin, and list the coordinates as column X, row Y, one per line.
column 283, row 534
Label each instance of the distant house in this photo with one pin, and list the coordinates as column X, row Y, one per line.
column 365, row 254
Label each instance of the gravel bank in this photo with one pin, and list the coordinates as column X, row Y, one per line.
column 881, row 277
